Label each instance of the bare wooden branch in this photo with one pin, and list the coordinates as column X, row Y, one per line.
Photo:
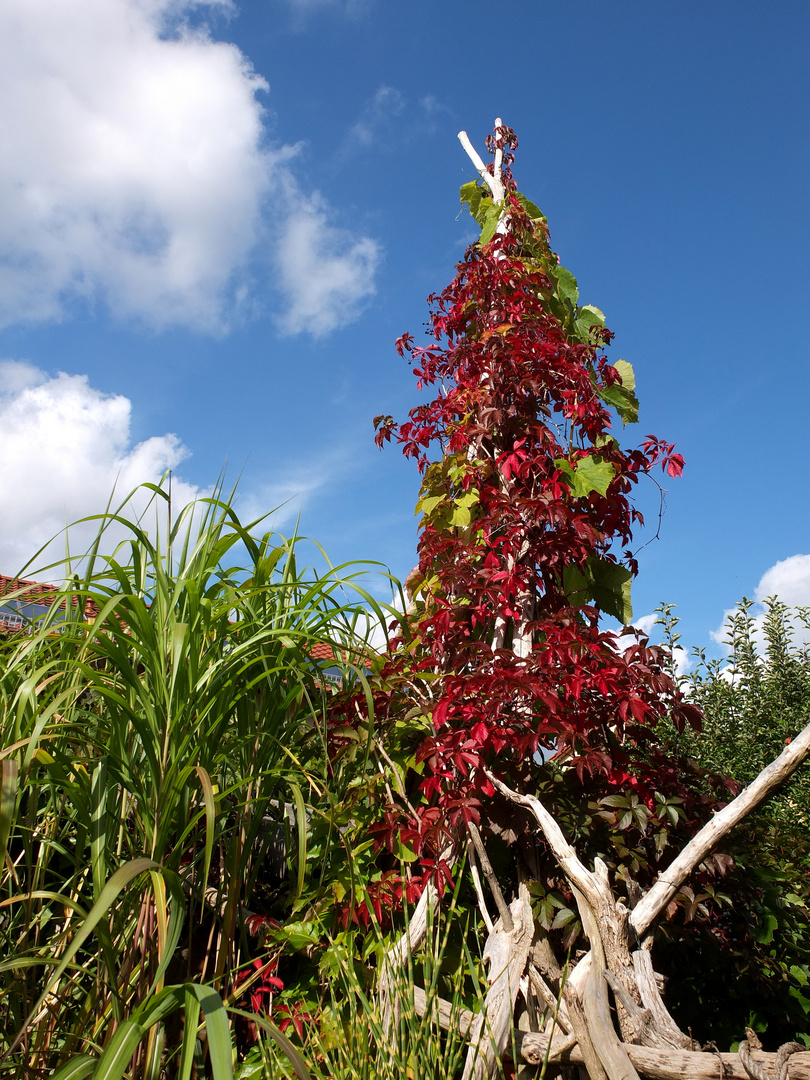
column 479, row 890
column 494, row 183
column 656, row 900
column 660, row 1064
column 570, row 1007
column 642, row 1018
column 553, row 1004
column 666, row 1029
column 592, row 989
column 447, row 1014
column 570, row 863
column 576, row 1013
column 652, row 1062
column 506, row 953
column 492, row 880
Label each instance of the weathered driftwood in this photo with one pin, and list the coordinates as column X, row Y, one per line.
column 506, row 952
column 660, row 1064
column 650, row 907
column 568, row 1009
column 654, row 1062
column 606, row 922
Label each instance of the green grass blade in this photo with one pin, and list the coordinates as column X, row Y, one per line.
column 210, row 817
column 301, row 823
column 284, row 1044
column 157, row 1038
column 98, row 826
column 118, row 1053
column 192, row 1019
column 122, row 876
column 76, row 1069
column 8, row 802
column 219, row 1033
column 177, row 914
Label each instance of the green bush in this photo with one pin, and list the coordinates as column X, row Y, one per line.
column 162, row 727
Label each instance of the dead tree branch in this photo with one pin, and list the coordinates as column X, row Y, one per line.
column 656, row 900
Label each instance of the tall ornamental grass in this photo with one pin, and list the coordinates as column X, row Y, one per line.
column 156, row 723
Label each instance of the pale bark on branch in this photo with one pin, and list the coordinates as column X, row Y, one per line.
column 655, row 1062
column 645, row 914
column 506, row 952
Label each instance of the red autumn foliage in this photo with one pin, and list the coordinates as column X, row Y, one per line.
column 525, row 539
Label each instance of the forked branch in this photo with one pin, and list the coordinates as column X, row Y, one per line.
column 656, row 900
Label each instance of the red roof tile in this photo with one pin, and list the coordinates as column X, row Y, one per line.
column 34, row 592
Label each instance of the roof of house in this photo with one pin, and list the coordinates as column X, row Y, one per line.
column 22, row 600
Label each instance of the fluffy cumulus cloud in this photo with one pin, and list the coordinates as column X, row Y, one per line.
column 135, row 173
column 325, row 275
column 64, row 449
column 789, row 581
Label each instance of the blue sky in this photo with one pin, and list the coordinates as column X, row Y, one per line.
column 218, row 217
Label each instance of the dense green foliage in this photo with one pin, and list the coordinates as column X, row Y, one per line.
column 162, row 730
column 752, row 958
column 754, row 701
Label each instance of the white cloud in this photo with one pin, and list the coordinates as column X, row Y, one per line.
column 353, row 8
column 390, row 122
column 789, row 581
column 279, row 504
column 64, row 447
column 325, row 273
column 386, row 104
column 134, row 170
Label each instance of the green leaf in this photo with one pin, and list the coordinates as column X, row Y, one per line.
column 76, row 1069
column 404, row 853
column 463, row 509
column 563, row 917
column 766, row 929
column 588, row 316
column 587, row 475
column 611, row 590
column 605, row 583
column 298, row 935
column 483, row 209
column 492, row 215
column 534, row 212
column 429, row 504
column 627, row 374
column 567, row 288
column 592, row 475
column 472, row 194
column 622, row 397
column 615, row 801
